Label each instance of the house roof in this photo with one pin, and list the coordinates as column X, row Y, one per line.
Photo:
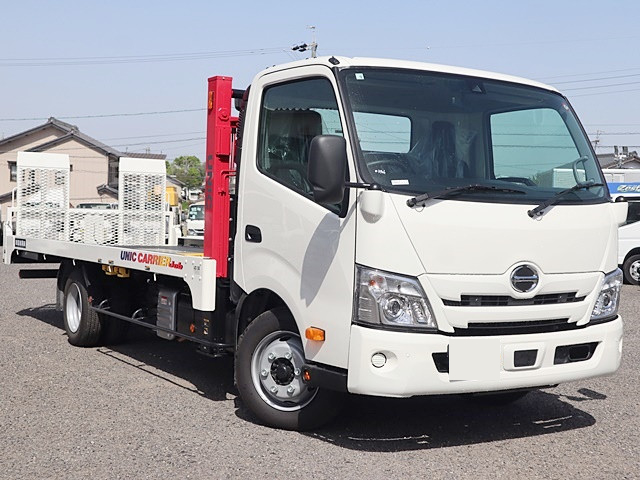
column 72, row 132
column 52, row 122
column 174, row 179
column 150, row 156
column 609, row 160
column 82, row 138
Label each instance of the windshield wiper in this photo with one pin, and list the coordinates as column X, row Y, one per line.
column 536, row 212
column 474, row 187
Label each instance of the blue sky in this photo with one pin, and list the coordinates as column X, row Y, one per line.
column 53, row 57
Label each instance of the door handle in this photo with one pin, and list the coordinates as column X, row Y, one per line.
column 252, row 234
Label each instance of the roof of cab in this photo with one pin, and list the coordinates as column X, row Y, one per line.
column 344, row 62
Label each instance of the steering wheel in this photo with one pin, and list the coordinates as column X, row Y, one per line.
column 293, row 174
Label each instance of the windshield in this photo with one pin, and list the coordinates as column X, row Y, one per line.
column 421, row 132
column 196, row 212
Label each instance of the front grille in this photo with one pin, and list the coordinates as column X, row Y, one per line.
column 507, row 301
column 479, row 329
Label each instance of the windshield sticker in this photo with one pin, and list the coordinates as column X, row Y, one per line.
column 359, row 76
column 400, row 182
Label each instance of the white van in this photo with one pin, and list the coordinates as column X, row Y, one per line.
column 626, row 183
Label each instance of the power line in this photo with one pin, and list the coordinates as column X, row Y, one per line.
column 509, row 44
column 590, row 73
column 161, row 141
column 104, row 115
column 605, row 93
column 120, row 59
column 597, row 79
column 612, row 124
column 614, row 133
column 612, row 146
column 155, row 136
column 601, row 86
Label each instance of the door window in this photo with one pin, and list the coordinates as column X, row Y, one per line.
column 292, row 115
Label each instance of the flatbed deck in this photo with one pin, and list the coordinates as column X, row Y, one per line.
column 186, row 262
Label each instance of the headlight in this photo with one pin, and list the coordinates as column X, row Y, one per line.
column 609, row 298
column 191, row 232
column 387, row 299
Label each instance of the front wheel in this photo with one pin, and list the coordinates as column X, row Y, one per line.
column 269, row 362
column 631, row 270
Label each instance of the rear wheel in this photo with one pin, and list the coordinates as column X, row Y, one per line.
column 269, row 362
column 631, row 270
column 83, row 325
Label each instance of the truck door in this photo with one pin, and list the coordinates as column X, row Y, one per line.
column 286, row 242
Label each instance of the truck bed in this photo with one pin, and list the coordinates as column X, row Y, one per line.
column 186, row 262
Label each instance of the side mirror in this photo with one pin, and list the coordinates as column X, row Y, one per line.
column 327, row 168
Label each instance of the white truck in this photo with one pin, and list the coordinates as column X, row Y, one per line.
column 625, row 183
column 195, row 219
column 392, row 231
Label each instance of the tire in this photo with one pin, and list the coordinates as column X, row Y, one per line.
column 631, row 270
column 268, row 365
column 83, row 326
column 498, row 399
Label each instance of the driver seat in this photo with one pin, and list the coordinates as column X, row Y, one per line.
column 289, row 133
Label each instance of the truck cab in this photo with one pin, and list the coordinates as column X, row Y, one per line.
column 411, row 213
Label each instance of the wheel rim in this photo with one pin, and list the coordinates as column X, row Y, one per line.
column 73, row 308
column 634, row 270
column 276, row 372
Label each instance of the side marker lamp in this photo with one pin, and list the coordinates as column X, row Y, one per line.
column 315, row 334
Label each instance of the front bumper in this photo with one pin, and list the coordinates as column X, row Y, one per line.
column 475, row 364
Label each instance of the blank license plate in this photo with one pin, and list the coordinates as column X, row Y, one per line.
column 474, row 359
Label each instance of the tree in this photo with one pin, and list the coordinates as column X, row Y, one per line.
column 188, row 169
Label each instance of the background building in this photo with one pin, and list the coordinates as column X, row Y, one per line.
column 620, row 158
column 94, row 165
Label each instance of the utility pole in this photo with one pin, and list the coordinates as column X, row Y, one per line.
column 596, row 141
column 313, row 46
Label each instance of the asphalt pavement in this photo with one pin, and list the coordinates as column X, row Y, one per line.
column 149, row 408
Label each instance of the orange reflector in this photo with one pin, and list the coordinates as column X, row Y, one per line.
column 313, row 333
column 306, row 376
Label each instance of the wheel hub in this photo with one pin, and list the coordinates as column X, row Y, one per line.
column 282, row 371
column 73, row 307
column 276, row 370
column 635, row 270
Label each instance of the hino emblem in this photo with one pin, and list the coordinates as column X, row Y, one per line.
column 524, row 278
